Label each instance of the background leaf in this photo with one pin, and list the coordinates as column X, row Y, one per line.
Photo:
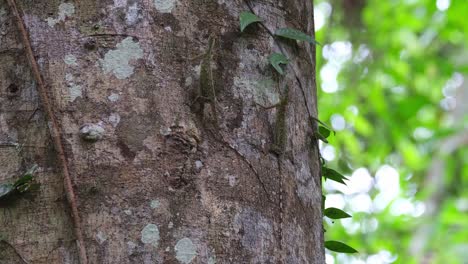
column 339, row 247
column 324, row 131
column 333, row 175
column 335, row 213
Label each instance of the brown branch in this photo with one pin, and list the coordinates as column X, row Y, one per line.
column 54, row 131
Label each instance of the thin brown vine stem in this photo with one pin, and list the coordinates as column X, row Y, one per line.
column 54, row 131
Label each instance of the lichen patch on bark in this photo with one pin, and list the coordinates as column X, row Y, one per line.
column 150, row 235
column 164, row 6
column 117, row 61
column 65, row 10
column 185, row 250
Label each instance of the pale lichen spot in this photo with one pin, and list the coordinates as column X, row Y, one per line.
column 185, row 250
column 188, row 81
column 198, row 164
column 150, row 235
column 101, row 237
column 117, row 61
column 212, row 260
column 65, row 10
column 164, row 6
column 69, row 77
column 113, row 97
column 75, row 91
column 232, row 180
column 128, row 212
column 114, row 119
column 170, row 225
column 120, row 3
column 132, row 14
column 264, row 90
column 70, row 60
column 91, row 132
column 154, row 204
column 131, row 246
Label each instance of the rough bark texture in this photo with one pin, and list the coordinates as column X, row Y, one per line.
column 159, row 186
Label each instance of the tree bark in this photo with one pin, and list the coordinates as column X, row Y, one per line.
column 155, row 180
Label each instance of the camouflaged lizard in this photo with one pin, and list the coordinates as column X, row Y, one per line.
column 207, row 94
column 278, row 147
column 206, row 89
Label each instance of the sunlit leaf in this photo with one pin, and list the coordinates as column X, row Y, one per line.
column 321, row 137
column 333, row 175
column 323, row 202
column 324, row 131
column 339, row 247
column 335, row 213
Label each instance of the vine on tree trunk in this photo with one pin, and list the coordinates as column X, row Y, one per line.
column 55, row 132
column 322, row 131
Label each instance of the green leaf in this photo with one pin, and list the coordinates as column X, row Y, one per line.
column 295, row 34
column 276, row 59
column 323, row 201
column 339, row 247
column 23, row 180
column 324, row 125
column 335, row 213
column 26, row 178
column 5, row 190
column 247, row 18
column 333, row 175
column 321, row 137
column 324, row 131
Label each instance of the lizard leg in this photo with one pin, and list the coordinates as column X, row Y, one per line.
column 269, row 107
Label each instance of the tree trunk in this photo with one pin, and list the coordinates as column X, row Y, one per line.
column 102, row 95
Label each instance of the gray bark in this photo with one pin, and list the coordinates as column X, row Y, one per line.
column 156, row 185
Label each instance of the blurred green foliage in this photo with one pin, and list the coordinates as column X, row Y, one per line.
column 390, row 78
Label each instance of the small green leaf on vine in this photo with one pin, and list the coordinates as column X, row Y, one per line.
column 247, row 18
column 324, row 125
column 295, row 34
column 276, row 59
column 339, row 247
column 335, row 213
column 333, row 175
column 22, row 185
column 323, row 133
